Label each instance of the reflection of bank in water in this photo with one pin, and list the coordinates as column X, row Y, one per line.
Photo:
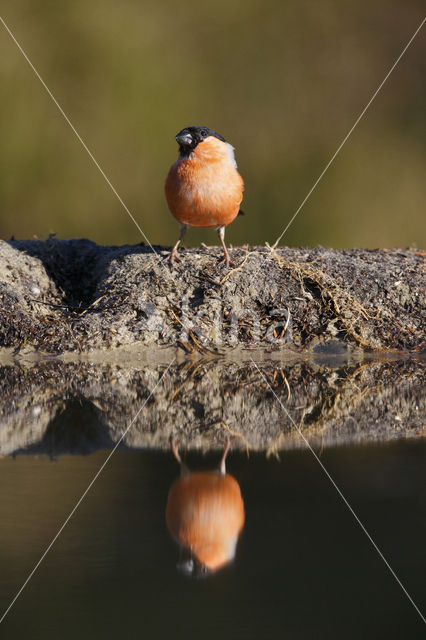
column 205, row 515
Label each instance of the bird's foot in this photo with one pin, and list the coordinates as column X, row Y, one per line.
column 173, row 255
column 227, row 260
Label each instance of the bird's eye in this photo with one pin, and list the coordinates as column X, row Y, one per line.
column 203, row 133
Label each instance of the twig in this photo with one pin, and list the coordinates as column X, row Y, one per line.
column 238, row 435
column 240, row 266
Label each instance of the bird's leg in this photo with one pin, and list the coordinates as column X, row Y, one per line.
column 173, row 255
column 183, row 468
column 222, row 466
column 221, row 233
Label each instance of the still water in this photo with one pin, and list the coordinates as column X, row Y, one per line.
column 302, row 569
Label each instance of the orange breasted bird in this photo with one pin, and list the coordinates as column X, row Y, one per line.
column 205, row 515
column 203, row 187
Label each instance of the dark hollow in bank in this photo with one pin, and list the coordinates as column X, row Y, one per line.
column 60, row 296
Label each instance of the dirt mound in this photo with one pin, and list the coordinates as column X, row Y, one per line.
column 61, row 296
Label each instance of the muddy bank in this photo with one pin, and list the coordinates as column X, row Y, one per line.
column 55, row 407
column 59, row 296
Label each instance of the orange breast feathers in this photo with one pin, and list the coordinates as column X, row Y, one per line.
column 205, row 514
column 205, row 188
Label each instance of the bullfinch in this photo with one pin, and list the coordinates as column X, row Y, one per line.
column 205, row 515
column 203, row 188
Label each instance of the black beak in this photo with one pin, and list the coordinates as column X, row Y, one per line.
column 184, row 138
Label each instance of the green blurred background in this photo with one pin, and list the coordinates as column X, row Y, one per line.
column 282, row 81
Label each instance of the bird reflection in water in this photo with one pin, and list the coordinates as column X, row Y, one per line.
column 205, row 515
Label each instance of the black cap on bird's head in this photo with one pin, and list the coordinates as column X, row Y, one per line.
column 190, row 137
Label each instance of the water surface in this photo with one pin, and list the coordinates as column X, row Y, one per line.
column 303, row 567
